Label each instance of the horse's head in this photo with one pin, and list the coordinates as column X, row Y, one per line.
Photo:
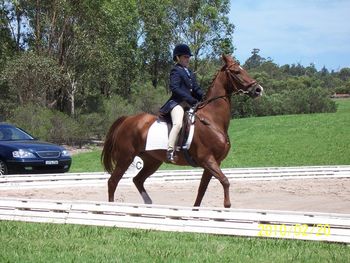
column 238, row 79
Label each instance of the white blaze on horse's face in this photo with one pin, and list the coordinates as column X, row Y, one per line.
column 256, row 90
column 259, row 90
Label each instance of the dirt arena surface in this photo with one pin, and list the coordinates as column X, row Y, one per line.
column 311, row 195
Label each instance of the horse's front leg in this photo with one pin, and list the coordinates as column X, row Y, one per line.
column 202, row 187
column 212, row 166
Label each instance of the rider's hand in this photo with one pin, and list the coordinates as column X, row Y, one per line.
column 193, row 102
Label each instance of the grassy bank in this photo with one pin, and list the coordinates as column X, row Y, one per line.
column 291, row 140
column 311, row 139
column 30, row 242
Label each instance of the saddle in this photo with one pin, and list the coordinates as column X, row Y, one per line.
column 187, row 122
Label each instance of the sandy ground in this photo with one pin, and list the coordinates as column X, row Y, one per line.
column 311, row 195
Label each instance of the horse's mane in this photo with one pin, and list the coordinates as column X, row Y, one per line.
column 214, row 77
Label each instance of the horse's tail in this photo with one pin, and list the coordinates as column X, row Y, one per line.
column 110, row 150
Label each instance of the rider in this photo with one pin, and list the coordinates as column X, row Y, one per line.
column 185, row 93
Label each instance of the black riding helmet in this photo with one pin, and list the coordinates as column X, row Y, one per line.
column 181, row 49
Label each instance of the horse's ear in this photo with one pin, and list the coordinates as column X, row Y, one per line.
column 225, row 59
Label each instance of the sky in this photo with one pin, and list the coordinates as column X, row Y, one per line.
column 293, row 31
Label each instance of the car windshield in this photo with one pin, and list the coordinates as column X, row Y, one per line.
column 9, row 133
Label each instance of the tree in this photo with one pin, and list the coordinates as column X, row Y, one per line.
column 120, row 35
column 35, row 80
column 8, row 49
column 92, row 47
column 311, row 70
column 344, row 74
column 7, row 44
column 255, row 60
column 156, row 33
column 13, row 18
column 203, row 24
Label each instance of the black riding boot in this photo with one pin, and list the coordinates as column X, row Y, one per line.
column 170, row 155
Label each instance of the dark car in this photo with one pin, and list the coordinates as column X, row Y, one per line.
column 22, row 153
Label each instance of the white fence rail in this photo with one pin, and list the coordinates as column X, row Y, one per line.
column 238, row 222
column 275, row 224
column 93, row 179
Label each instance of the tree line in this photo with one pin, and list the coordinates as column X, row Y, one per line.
column 69, row 68
column 292, row 89
column 73, row 52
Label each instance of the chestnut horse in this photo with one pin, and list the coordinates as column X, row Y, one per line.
column 127, row 136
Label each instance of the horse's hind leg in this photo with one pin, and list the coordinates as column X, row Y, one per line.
column 150, row 165
column 202, row 187
column 119, row 170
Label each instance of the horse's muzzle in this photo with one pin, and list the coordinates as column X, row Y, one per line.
column 256, row 91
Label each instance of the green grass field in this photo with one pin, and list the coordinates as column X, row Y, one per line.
column 291, row 140
column 33, row 242
column 317, row 139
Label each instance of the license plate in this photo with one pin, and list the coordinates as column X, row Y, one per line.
column 51, row 162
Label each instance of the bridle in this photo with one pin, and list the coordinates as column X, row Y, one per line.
column 233, row 78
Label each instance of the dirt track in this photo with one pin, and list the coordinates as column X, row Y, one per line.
column 312, row 195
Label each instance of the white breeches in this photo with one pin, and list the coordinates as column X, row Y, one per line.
column 177, row 114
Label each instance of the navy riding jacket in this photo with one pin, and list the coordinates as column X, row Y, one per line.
column 184, row 88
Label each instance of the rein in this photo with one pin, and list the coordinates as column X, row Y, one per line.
column 202, row 104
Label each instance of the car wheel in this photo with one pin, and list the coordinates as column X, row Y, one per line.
column 3, row 167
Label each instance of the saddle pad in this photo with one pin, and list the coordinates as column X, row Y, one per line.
column 157, row 137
